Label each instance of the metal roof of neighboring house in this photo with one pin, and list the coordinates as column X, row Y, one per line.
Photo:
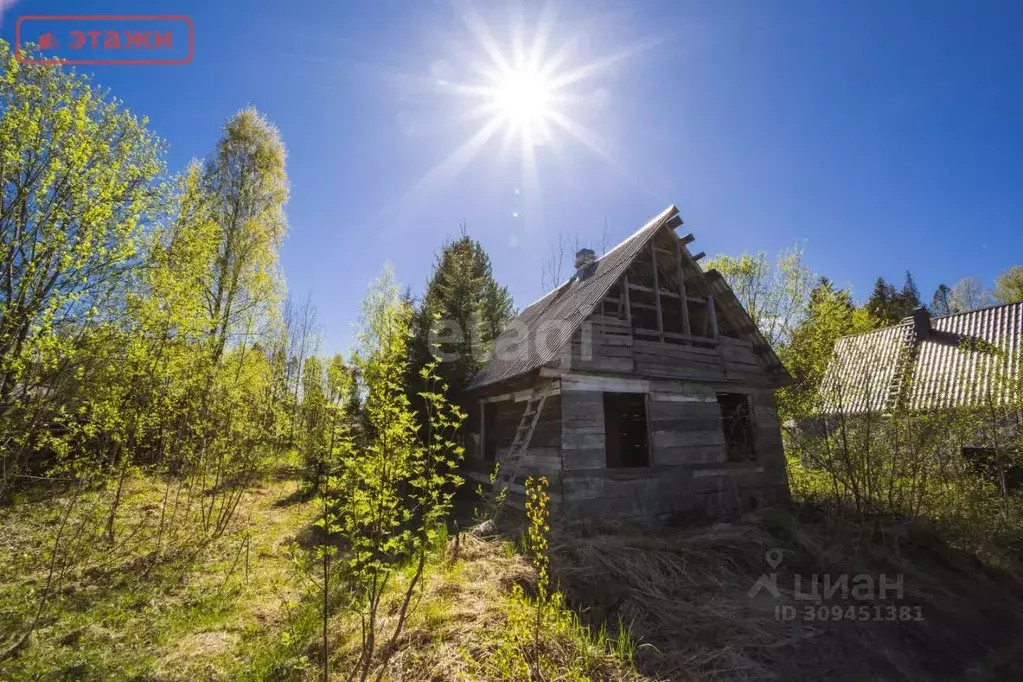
column 959, row 361
column 538, row 333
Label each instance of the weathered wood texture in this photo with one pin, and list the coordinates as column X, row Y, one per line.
column 542, row 457
column 665, row 329
column 694, row 490
column 608, row 345
column 688, row 475
column 582, row 430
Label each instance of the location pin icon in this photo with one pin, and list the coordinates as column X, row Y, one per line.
column 774, row 557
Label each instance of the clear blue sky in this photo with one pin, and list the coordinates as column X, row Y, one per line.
column 886, row 135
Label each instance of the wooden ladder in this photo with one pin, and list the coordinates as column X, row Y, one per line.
column 905, row 364
column 512, row 463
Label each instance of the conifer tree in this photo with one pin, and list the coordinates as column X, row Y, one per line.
column 909, row 298
column 460, row 315
column 889, row 305
column 940, row 301
column 883, row 303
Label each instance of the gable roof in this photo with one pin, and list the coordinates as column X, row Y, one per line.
column 540, row 330
column 535, row 337
column 957, row 364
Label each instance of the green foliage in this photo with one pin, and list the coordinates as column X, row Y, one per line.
column 775, row 294
column 385, row 500
column 78, row 183
column 831, row 315
column 490, row 501
column 911, row 462
column 247, row 186
column 139, row 329
column 537, row 545
column 542, row 638
column 1009, row 285
column 461, row 314
column 889, row 306
column 537, row 531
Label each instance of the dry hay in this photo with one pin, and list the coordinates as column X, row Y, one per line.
column 196, row 657
column 686, row 595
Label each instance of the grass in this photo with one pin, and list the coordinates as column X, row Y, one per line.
column 230, row 614
column 132, row 617
column 637, row 603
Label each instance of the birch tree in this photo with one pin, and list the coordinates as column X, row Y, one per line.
column 248, row 186
column 775, row 294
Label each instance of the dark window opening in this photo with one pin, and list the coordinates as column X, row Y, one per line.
column 699, row 323
column 612, row 305
column 625, row 430
column 737, row 424
column 671, row 314
column 997, row 465
column 489, row 431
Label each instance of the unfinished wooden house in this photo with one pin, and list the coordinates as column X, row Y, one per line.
column 640, row 388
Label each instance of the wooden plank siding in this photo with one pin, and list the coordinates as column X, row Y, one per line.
column 605, row 344
column 689, row 474
column 543, row 455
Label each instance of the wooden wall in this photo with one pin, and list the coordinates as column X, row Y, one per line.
column 688, row 472
column 542, row 457
column 606, row 344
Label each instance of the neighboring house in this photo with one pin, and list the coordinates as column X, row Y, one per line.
column 957, row 361
column 967, row 364
column 640, row 388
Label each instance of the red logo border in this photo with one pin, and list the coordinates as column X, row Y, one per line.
column 108, row 17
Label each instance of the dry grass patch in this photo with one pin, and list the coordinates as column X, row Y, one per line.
column 686, row 593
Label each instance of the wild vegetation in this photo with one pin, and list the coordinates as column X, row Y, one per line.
column 190, row 489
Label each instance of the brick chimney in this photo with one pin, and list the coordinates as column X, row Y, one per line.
column 584, row 257
column 921, row 323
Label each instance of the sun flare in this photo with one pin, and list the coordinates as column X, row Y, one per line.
column 524, row 100
column 530, row 91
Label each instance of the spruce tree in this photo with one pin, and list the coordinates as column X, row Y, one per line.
column 940, row 301
column 890, row 305
column 882, row 304
column 460, row 315
column 908, row 299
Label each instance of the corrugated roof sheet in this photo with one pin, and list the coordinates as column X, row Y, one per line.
column 534, row 338
column 966, row 358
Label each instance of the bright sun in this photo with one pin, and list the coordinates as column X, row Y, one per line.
column 528, row 91
column 523, row 99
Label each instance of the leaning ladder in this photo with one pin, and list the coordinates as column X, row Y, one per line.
column 512, row 464
column 902, row 374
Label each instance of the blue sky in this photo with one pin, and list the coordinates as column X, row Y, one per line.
column 884, row 135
